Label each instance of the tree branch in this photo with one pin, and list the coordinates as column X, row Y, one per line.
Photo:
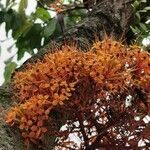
column 101, row 133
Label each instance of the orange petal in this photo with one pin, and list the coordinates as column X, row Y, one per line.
column 40, row 123
column 34, row 128
column 31, row 134
column 43, row 129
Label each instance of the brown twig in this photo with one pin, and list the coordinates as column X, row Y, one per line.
column 101, row 133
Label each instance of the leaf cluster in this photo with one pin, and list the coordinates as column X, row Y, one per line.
column 141, row 24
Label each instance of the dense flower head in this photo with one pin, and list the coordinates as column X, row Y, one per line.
column 71, row 78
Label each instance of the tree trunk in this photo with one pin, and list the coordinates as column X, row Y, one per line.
column 108, row 16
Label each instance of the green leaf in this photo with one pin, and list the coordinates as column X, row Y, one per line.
column 22, row 29
column 42, row 14
column 21, row 53
column 136, row 4
column 138, row 16
column 143, row 1
column 143, row 11
column 135, row 30
column 9, row 69
column 13, row 20
column 1, row 17
column 22, row 6
column 50, row 28
column 8, row 21
column 143, row 26
column 29, row 40
column 147, row 8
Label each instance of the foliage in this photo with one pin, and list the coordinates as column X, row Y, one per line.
column 29, row 33
column 141, row 25
column 10, row 67
column 97, row 95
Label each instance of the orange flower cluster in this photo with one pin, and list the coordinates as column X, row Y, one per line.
column 31, row 116
column 53, row 81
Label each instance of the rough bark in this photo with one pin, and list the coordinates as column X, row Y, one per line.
column 110, row 16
